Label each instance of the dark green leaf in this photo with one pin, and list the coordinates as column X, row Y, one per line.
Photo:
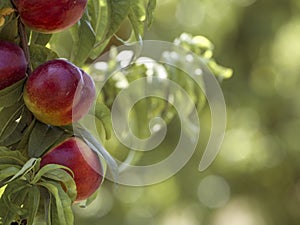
column 40, row 54
column 19, row 130
column 23, row 144
column 33, row 203
column 14, row 199
column 10, row 30
column 9, row 197
column 8, row 172
column 39, row 38
column 8, row 117
column 11, row 94
column 11, row 157
column 43, row 137
column 5, row 3
column 84, row 44
column 61, row 209
column 118, row 11
column 98, row 13
column 59, row 173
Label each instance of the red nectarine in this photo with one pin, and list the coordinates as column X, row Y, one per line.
column 12, row 64
column 59, row 93
column 84, row 163
column 50, row 16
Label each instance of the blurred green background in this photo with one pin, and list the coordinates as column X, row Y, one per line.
column 255, row 179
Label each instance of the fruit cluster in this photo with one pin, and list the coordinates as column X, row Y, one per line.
column 57, row 93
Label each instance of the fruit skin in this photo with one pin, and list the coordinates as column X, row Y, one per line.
column 59, row 93
column 85, row 164
column 13, row 64
column 50, row 16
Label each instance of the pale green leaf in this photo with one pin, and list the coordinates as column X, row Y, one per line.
column 28, row 166
column 102, row 112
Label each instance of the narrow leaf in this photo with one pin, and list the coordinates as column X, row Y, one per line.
column 8, row 116
column 103, row 113
column 118, row 11
column 9, row 156
column 43, row 137
column 33, row 203
column 61, row 204
column 11, row 94
column 65, row 179
column 29, row 165
column 85, row 43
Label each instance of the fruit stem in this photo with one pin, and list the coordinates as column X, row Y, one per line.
column 24, row 43
column 24, row 40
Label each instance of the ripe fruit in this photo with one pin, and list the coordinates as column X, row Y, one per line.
column 50, row 16
column 85, row 164
column 59, row 93
column 12, row 64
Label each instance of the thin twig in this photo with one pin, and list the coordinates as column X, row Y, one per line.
column 24, row 43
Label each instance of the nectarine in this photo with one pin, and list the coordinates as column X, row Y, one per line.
column 84, row 163
column 59, row 93
column 50, row 16
column 12, row 64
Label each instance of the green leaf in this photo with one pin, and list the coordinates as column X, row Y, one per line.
column 23, row 144
column 14, row 199
column 9, row 31
column 102, row 112
column 43, row 137
column 137, row 17
column 62, row 43
column 84, row 44
column 32, row 203
column 28, row 166
column 61, row 209
column 39, row 38
column 8, row 117
column 118, row 11
column 99, row 18
column 40, row 54
column 4, row 4
column 150, row 10
column 17, row 134
column 59, row 173
column 11, row 157
column 11, row 94
column 10, row 195
column 8, row 171
column 98, row 11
